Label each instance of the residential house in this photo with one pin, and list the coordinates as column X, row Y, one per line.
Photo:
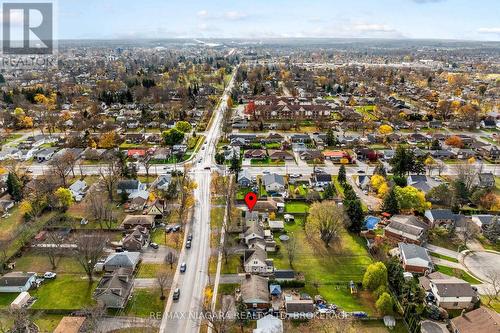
column 415, row 259
column 129, row 186
column 320, row 179
column 271, row 204
column 363, row 182
column 6, row 204
column 486, row 180
column 441, row 217
column 255, row 231
column 136, row 240
column 269, row 324
column 162, row 182
column 483, row 221
column 273, row 182
column 255, row 261
column 114, row 289
column 336, row 156
column 44, row 154
column 481, row 320
column 491, row 152
column 132, row 221
column 407, row 229
column 422, row 182
column 280, row 155
column 245, row 178
column 156, row 209
column 78, row 189
column 453, row 293
column 276, row 225
column 128, row 260
column 16, row 282
column 255, row 293
column 284, row 275
column 312, row 155
column 256, row 154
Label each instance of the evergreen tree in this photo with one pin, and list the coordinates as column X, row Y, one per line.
column 403, row 161
column 219, row 158
column 342, row 178
column 391, row 204
column 235, row 166
column 331, row 139
column 353, row 208
column 380, row 170
column 329, row 192
column 14, row 187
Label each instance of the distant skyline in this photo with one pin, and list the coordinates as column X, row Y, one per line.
column 416, row 19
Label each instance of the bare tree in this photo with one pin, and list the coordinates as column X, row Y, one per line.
column 291, row 249
column 467, row 232
column 52, row 248
column 146, row 162
column 440, row 166
column 171, row 258
column 217, row 320
column 110, row 174
column 94, row 315
column 163, row 280
column 492, row 286
column 99, row 210
column 60, row 167
column 88, row 250
column 226, row 247
column 467, row 173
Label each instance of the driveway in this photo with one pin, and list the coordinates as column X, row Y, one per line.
column 372, row 202
column 153, row 256
column 442, row 251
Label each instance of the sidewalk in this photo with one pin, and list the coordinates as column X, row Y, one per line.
column 442, row 251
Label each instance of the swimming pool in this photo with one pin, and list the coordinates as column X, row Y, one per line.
column 371, row 222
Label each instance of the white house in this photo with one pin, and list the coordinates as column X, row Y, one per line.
column 256, row 262
column 269, row 324
column 78, row 189
column 453, row 293
column 16, row 282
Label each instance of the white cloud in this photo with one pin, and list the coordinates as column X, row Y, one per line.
column 494, row 30
column 202, row 13
column 235, row 15
column 231, row 15
column 427, row 1
column 373, row 28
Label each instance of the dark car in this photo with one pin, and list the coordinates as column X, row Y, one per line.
column 177, row 294
column 190, row 237
column 183, row 267
column 119, row 249
column 188, row 244
column 154, row 245
column 168, row 229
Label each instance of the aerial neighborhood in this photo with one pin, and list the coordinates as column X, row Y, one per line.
column 124, row 187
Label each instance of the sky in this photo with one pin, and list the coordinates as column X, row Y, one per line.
column 122, row 19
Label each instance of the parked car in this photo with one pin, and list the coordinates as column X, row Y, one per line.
column 168, row 229
column 183, row 267
column 154, row 245
column 177, row 294
column 49, row 275
column 188, row 244
column 190, row 237
column 119, row 249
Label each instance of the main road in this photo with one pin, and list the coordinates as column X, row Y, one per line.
column 180, row 316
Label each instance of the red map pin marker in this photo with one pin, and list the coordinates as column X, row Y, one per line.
column 251, row 200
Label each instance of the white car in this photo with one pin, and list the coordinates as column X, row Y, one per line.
column 49, row 275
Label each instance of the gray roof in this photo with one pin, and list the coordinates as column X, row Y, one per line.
column 273, row 178
column 15, row 279
column 442, row 214
column 128, row 184
column 123, row 259
column 453, row 287
column 414, row 255
column 254, row 289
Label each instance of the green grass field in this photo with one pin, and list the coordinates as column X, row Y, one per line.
column 461, row 274
column 144, row 302
column 296, row 207
column 440, row 256
column 66, row 292
column 329, row 269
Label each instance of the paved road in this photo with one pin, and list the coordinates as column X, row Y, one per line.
column 194, row 281
column 108, row 324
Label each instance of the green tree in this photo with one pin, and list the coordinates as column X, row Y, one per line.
column 235, row 166
column 14, row 187
column 375, row 276
column 395, row 275
column 326, row 220
column 172, row 137
column 342, row 178
column 384, row 303
column 329, row 192
column 219, row 158
column 63, row 197
column 391, row 204
column 411, row 198
column 331, row 139
column 183, row 126
column 380, row 170
column 403, row 161
column 353, row 208
column 241, row 314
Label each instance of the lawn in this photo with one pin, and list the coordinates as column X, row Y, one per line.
column 48, row 322
column 266, row 162
column 144, row 302
column 10, row 224
column 461, row 274
column 296, row 207
column 298, row 190
column 6, row 299
column 147, row 270
column 338, row 187
column 66, row 292
column 440, row 256
column 331, row 269
column 495, row 305
column 34, row 262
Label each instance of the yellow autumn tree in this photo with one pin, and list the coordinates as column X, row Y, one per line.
column 107, row 140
